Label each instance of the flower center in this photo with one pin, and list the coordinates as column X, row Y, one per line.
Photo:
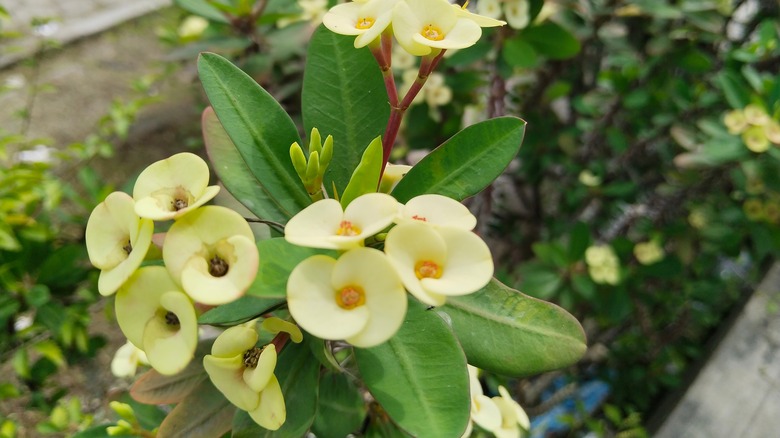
column 218, row 267
column 350, row 297
column 171, row 319
column 128, row 248
column 365, row 23
column 420, row 218
column 427, row 269
column 251, row 356
column 179, row 204
column 347, row 229
column 432, row 32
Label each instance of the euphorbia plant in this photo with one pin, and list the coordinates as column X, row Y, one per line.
column 334, row 277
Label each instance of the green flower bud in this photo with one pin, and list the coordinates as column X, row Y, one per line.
column 313, row 169
column 315, row 142
column 124, row 410
column 298, row 159
column 327, row 154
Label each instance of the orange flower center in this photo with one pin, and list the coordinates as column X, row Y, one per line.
column 347, row 229
column 432, row 32
column 350, row 297
column 364, row 23
column 427, row 269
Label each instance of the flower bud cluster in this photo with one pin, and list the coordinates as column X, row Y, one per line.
column 312, row 171
column 360, row 297
column 757, row 128
column 516, row 12
column 209, row 255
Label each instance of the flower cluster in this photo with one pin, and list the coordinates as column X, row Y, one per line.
column 244, row 372
column 603, row 264
column 209, row 254
column 757, row 128
column 648, row 253
column 360, row 297
column 501, row 416
column 420, row 26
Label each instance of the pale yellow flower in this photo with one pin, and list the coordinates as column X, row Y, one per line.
column 735, row 121
column 772, row 131
column 170, row 188
column 212, row 254
column 117, row 240
column 367, row 19
column 756, row 115
column 192, row 27
column 484, row 411
column 436, row 262
column 589, row 179
column 244, row 374
column 392, row 176
column 358, row 298
column 421, row 26
column 126, row 360
column 157, row 317
column 324, row 224
column 517, row 14
column 603, row 264
column 437, row 210
column 648, row 253
column 514, row 421
column 755, row 139
column 489, row 8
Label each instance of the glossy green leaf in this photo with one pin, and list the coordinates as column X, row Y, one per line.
column 259, row 128
column 466, row 163
column 344, row 96
column 365, row 178
column 298, row 376
column 277, row 259
column 419, row 376
column 551, row 40
column 235, row 174
column 205, row 412
column 503, row 331
column 240, row 311
column 340, row 410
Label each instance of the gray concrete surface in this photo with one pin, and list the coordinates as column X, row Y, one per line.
column 69, row 20
column 737, row 392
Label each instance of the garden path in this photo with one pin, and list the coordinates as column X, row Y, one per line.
column 70, row 20
column 737, row 392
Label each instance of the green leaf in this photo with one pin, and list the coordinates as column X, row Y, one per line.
column 579, row 240
column 551, row 40
column 259, row 128
column 235, row 174
column 202, row 8
column 505, row 332
column 277, row 259
column 365, row 178
column 734, row 88
column 204, row 412
column 466, row 163
column 240, row 311
column 419, row 376
column 344, row 96
column 298, row 375
column 340, row 410
column 64, row 267
column 540, row 279
column 518, row 53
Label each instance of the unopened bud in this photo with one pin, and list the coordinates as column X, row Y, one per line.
column 124, row 410
column 315, row 142
column 313, row 169
column 298, row 159
column 327, row 153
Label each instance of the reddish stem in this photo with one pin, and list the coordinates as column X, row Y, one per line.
column 280, row 340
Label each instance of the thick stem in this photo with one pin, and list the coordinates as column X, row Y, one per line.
column 280, row 340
